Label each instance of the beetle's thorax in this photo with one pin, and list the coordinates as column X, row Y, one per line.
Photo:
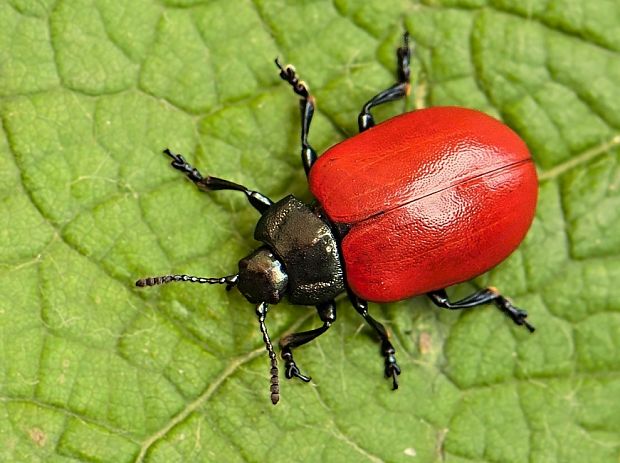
column 300, row 257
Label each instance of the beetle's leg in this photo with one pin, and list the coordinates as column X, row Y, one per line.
column 484, row 296
column 400, row 89
column 260, row 202
column 306, row 105
column 327, row 314
column 392, row 370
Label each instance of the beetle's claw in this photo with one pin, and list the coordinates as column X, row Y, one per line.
column 277, row 61
column 521, row 320
column 392, row 370
column 529, row 326
column 293, row 370
column 178, row 161
column 288, row 74
column 518, row 315
column 180, row 164
column 176, row 158
column 290, row 367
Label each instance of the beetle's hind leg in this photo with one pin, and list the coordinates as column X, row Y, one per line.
column 484, row 296
column 260, row 202
column 327, row 314
column 306, row 105
column 400, row 89
column 392, row 370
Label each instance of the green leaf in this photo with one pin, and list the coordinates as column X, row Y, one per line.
column 94, row 370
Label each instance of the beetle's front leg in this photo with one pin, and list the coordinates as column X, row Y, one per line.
column 392, row 370
column 327, row 314
column 306, row 105
column 258, row 200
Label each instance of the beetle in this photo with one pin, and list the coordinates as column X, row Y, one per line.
column 420, row 202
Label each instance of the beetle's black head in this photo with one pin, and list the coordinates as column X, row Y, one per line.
column 262, row 277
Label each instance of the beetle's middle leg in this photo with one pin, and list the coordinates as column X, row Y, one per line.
column 260, row 202
column 400, row 89
column 306, row 105
column 327, row 314
column 484, row 296
column 392, row 370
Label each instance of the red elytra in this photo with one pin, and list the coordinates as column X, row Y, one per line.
column 432, row 197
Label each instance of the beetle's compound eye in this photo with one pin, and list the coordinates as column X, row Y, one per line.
column 262, row 277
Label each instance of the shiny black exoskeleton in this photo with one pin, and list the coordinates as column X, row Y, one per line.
column 300, row 258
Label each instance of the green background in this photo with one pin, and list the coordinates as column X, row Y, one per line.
column 94, row 370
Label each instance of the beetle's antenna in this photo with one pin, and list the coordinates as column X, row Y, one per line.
column 230, row 280
column 261, row 312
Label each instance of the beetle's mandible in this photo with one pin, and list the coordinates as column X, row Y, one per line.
column 410, row 206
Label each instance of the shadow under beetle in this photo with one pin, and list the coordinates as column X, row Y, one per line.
column 425, row 200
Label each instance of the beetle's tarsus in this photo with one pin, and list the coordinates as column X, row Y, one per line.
column 392, row 370
column 307, row 105
column 297, row 374
column 403, row 56
column 517, row 315
column 530, row 327
column 180, row 164
column 290, row 367
column 178, row 161
column 288, row 74
column 400, row 89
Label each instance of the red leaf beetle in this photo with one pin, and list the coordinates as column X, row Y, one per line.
column 425, row 200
